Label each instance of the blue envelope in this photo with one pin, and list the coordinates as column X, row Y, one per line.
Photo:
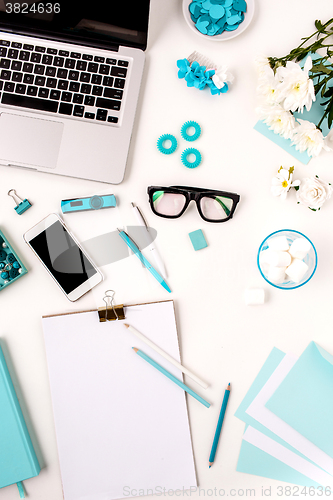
column 285, row 144
column 305, row 397
column 251, row 459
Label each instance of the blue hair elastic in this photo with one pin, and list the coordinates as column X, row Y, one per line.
column 162, row 139
column 186, row 126
column 194, row 163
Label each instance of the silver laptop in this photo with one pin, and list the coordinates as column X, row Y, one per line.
column 70, row 75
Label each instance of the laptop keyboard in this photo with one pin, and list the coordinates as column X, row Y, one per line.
column 62, row 82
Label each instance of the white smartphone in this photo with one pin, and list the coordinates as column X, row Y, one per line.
column 63, row 257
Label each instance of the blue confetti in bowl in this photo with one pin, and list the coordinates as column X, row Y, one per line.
column 310, row 259
column 225, row 35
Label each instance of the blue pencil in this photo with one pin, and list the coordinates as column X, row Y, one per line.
column 219, row 425
column 171, row 377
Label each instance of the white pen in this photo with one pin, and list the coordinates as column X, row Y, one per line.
column 151, row 247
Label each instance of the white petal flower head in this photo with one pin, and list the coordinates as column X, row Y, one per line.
column 329, row 139
column 221, row 76
column 268, row 86
column 278, row 119
column 261, row 63
column 307, row 137
column 313, row 192
column 282, row 182
column 296, row 88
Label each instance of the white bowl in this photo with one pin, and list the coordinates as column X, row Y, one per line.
column 226, row 35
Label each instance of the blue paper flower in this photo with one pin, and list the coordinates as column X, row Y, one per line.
column 184, row 67
column 214, row 90
column 197, row 76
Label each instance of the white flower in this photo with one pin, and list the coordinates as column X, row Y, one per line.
column 329, row 139
column 296, row 88
column 261, row 63
column 308, row 137
column 268, row 86
column 282, row 182
column 222, row 76
column 278, row 119
column 313, row 192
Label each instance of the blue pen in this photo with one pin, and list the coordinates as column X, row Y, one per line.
column 133, row 246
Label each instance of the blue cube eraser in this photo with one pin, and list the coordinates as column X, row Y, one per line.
column 198, row 239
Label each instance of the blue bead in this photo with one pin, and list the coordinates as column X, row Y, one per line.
column 16, row 265
column 2, row 265
column 4, row 275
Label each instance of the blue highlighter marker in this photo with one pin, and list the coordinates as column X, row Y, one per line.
column 88, row 203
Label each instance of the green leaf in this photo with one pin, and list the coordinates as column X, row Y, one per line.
column 318, row 25
column 329, row 92
column 321, row 68
column 296, row 188
column 313, row 209
column 323, row 86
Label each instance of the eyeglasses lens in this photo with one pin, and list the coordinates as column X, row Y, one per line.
column 216, row 208
column 168, row 203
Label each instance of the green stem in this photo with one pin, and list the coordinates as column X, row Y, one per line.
column 322, row 119
column 301, row 52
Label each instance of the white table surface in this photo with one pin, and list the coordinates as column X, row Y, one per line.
column 221, row 338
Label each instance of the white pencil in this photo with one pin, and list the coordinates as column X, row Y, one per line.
column 166, row 356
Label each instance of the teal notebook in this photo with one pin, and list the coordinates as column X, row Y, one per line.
column 18, row 460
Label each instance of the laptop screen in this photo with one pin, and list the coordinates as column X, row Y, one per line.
column 98, row 23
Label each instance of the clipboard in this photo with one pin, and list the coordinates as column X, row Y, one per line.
column 121, row 429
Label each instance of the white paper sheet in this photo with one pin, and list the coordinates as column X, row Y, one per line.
column 122, row 427
column 267, row 418
column 286, row 456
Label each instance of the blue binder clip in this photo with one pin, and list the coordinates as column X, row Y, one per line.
column 22, row 205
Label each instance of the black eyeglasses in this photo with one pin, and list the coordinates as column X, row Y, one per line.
column 213, row 206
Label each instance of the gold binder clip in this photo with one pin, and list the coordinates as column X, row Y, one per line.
column 110, row 312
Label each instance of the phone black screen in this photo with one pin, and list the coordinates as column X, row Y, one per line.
column 63, row 258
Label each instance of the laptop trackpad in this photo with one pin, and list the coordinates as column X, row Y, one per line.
column 29, row 141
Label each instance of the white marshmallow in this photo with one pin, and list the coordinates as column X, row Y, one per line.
column 278, row 243
column 279, row 259
column 276, row 274
column 254, row 296
column 299, row 248
column 265, row 256
column 296, row 270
